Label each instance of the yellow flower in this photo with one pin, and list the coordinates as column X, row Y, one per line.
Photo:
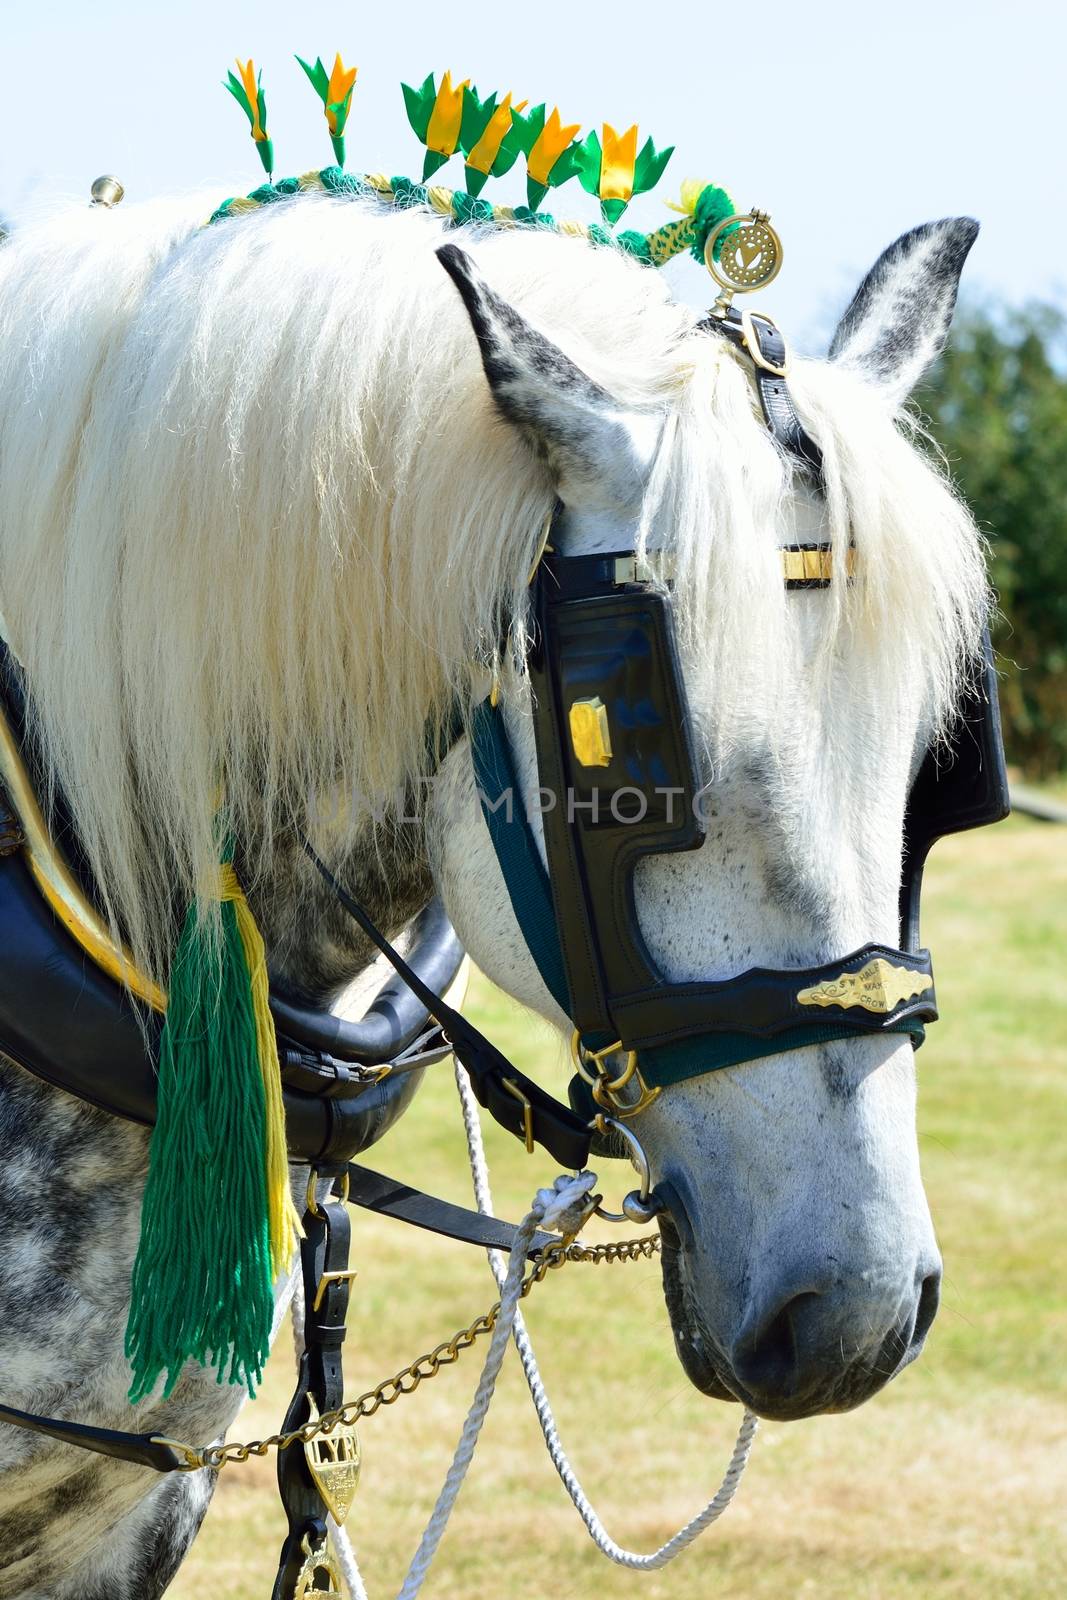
column 342, row 82
column 550, row 144
column 251, row 88
column 497, row 129
column 618, row 159
column 442, row 134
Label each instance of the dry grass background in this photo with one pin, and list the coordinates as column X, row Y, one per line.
column 951, row 1483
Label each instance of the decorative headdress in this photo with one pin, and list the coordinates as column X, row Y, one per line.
column 491, row 132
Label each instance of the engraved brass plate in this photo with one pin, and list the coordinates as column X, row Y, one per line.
column 751, row 254
column 318, row 1564
column 334, row 1461
column 590, row 734
column 877, row 987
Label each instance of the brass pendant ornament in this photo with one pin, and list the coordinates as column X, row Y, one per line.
column 318, row 1564
column 750, row 257
column 333, row 1460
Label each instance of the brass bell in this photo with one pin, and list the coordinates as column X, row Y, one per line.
column 106, row 191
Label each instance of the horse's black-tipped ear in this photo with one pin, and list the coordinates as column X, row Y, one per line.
column 599, row 451
column 899, row 318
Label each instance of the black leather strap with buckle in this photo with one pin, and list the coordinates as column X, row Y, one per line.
column 320, row 1379
column 764, row 343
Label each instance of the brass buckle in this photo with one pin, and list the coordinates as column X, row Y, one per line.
column 750, row 340
column 325, row 1281
column 527, row 1113
column 607, row 1090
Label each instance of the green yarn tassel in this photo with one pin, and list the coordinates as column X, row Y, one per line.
column 202, row 1285
column 713, row 207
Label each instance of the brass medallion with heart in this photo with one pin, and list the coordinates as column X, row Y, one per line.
column 750, row 255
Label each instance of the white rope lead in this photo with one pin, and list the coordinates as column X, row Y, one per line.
column 560, row 1207
column 597, row 1532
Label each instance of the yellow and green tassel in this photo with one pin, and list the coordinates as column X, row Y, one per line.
column 217, row 1220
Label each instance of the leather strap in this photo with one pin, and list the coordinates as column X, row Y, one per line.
column 320, row 1379
column 142, row 1449
column 511, row 1098
column 388, row 1197
column 764, row 343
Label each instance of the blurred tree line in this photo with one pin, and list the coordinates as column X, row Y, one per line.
column 996, row 404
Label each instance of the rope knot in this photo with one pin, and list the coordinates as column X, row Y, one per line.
column 565, row 1207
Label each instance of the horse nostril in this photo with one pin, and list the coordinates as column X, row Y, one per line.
column 929, row 1300
column 768, row 1363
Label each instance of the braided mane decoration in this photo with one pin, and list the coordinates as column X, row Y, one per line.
column 688, row 232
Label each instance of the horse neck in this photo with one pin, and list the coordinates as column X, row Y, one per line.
column 314, row 949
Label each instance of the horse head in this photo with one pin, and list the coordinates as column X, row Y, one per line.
column 801, row 1266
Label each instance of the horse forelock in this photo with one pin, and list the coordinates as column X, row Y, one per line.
column 258, row 515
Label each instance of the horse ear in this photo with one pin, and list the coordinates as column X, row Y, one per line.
column 599, row 451
column 898, row 321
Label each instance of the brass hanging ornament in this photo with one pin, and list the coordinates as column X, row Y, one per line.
column 749, row 258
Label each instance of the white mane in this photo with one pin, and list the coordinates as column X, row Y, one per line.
column 258, row 515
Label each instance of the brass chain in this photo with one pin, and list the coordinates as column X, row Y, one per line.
column 424, row 1367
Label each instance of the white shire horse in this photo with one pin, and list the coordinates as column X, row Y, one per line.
column 261, row 516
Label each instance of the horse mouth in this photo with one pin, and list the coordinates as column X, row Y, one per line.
column 710, row 1371
column 690, row 1340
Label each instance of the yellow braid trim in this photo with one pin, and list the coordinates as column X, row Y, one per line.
column 441, row 200
column 284, row 1222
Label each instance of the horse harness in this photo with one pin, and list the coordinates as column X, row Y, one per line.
column 612, row 734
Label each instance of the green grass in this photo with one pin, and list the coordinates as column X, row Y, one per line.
column 951, row 1483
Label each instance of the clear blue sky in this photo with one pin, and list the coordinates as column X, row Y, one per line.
column 848, row 122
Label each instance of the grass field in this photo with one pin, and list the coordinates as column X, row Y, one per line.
column 951, row 1483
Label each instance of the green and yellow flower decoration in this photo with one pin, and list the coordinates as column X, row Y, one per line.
column 552, row 153
column 335, row 90
column 611, row 169
column 491, row 132
column 490, row 137
column 248, row 93
column 436, row 115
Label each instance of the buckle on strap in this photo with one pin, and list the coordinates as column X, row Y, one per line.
column 759, row 331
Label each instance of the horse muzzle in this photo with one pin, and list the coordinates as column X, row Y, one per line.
column 797, row 1349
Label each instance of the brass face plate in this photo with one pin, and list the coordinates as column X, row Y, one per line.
column 751, row 255
column 590, row 734
column 877, row 987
